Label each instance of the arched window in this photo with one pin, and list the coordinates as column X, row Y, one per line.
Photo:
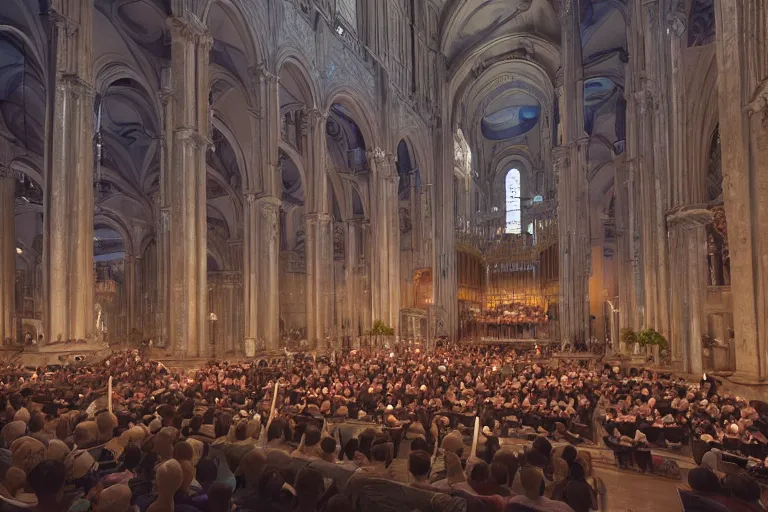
column 512, row 188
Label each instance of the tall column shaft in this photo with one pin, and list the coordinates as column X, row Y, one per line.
column 573, row 189
column 188, row 307
column 250, row 268
column 386, row 230
column 688, row 252
column 743, row 100
column 7, row 255
column 320, row 295
column 68, row 202
column 269, row 261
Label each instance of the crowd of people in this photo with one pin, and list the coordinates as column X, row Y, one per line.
column 515, row 313
column 133, row 434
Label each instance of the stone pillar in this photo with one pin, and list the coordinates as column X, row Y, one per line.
column 573, row 189
column 68, row 170
column 319, row 245
column 269, row 266
column 7, row 254
column 131, row 264
column 743, row 100
column 250, row 269
column 624, row 241
column 353, row 297
column 162, row 212
column 386, row 229
column 688, row 251
column 188, row 306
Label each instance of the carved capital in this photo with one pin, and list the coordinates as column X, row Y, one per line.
column 677, row 20
column 206, row 42
column 260, row 75
column 6, row 173
column 182, row 28
column 77, row 85
column 250, row 197
column 315, row 116
column 379, row 157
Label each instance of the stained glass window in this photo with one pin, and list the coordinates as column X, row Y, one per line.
column 512, row 187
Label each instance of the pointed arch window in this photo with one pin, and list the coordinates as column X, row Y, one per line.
column 512, row 191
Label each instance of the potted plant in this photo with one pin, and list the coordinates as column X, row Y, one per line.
column 629, row 339
column 655, row 340
column 381, row 329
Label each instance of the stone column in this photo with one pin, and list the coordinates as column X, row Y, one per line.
column 573, row 189
column 68, row 170
column 319, row 286
column 352, row 298
column 188, row 306
column 624, row 240
column 319, row 234
column 131, row 264
column 386, row 230
column 250, row 269
column 7, row 254
column 743, row 99
column 269, row 265
column 688, row 249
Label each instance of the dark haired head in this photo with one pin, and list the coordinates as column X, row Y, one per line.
column 480, row 472
column 311, row 435
column 419, row 463
column 47, row 481
column 499, row 473
column 219, row 497
column 542, row 445
column 328, row 445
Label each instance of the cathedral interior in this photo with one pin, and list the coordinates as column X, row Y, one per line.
column 226, row 177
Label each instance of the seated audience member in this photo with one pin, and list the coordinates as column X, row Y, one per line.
column 47, row 482
column 500, row 479
column 328, row 449
column 577, row 493
column 309, row 448
column 310, row 490
column 419, row 465
column 219, row 497
column 532, row 480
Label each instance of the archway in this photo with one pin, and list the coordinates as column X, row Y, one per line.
column 349, row 173
column 22, row 121
column 293, row 255
column 110, row 284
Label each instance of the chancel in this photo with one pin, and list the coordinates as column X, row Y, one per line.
column 470, row 245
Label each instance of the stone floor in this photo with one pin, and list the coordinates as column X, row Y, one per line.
column 628, row 492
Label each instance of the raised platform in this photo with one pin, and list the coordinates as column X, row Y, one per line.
column 56, row 353
column 514, row 341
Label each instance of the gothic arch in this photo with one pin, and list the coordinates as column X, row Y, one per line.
column 249, row 33
column 40, row 60
column 112, row 220
column 290, row 59
column 353, row 101
column 222, row 126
